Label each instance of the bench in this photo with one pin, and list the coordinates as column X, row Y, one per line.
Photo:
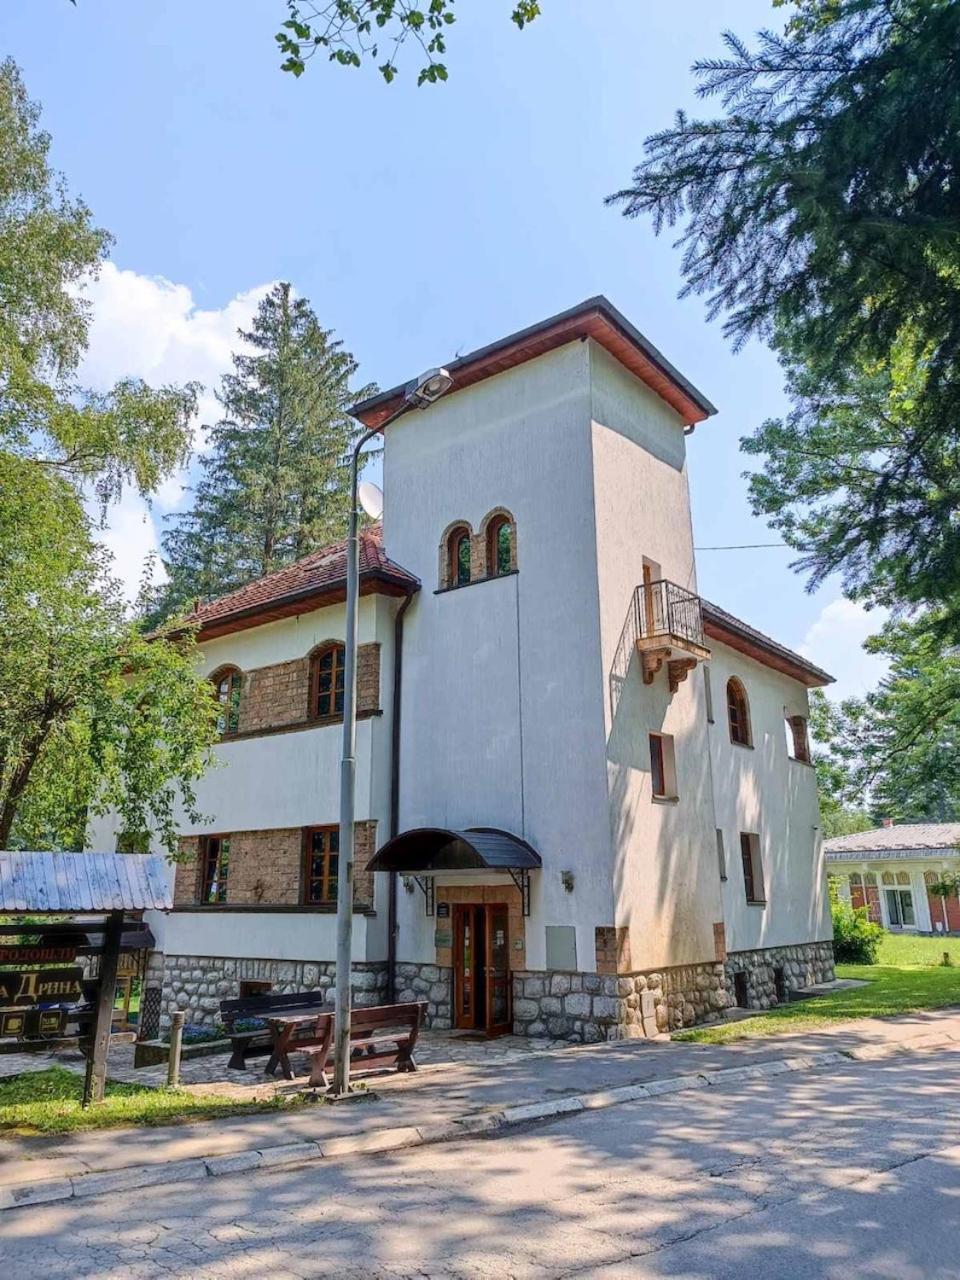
column 257, row 1041
column 380, row 1037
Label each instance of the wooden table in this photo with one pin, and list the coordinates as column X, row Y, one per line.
column 288, row 1035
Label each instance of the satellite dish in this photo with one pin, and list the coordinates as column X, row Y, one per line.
column 371, row 499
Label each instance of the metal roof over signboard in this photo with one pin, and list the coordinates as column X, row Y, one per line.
column 72, row 882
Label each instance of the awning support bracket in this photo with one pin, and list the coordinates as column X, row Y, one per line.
column 521, row 878
column 426, row 884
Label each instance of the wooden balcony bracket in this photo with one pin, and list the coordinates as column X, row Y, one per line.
column 678, row 670
column 652, row 660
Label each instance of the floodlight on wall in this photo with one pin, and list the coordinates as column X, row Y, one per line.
column 371, row 498
column 428, row 387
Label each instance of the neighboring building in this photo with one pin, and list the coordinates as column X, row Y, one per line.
column 889, row 871
column 590, row 790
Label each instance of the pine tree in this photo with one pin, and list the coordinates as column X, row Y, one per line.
column 274, row 486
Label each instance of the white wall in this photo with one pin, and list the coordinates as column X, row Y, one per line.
column 667, row 886
column 761, row 789
column 520, row 440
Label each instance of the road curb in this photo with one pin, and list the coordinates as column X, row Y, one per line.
column 292, row 1155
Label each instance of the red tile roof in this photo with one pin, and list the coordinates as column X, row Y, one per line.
column 723, row 626
column 317, row 580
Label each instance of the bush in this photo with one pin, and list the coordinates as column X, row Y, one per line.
column 856, row 940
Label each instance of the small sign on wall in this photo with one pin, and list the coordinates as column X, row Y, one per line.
column 443, row 938
column 443, row 910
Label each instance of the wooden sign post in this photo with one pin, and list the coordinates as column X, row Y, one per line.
column 96, row 1075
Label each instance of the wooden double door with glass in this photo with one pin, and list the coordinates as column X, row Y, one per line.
column 481, row 968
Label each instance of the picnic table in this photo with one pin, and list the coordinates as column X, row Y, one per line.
column 257, row 1040
column 381, row 1036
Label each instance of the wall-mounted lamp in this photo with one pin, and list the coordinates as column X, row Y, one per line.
column 567, row 879
column 408, row 883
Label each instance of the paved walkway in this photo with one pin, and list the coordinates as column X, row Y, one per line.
column 846, row 1173
column 457, row 1092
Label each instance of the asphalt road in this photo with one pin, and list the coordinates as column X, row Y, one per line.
column 852, row 1175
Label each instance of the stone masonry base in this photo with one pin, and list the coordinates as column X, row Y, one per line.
column 580, row 1007
column 197, row 984
column 591, row 1007
column 801, row 966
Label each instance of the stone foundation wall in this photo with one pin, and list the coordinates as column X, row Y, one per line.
column 590, row 1007
column 430, row 982
column 197, row 984
column 803, row 965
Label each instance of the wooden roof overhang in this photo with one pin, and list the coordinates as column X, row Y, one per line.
column 723, row 627
column 305, row 601
column 597, row 318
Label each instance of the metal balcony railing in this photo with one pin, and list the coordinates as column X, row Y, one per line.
column 665, row 609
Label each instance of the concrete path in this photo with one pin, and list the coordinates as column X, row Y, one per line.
column 846, row 1174
column 441, row 1102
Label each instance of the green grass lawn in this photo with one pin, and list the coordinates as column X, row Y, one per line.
column 49, row 1102
column 908, row 979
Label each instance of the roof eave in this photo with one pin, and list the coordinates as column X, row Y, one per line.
column 745, row 640
column 558, row 330
column 304, row 600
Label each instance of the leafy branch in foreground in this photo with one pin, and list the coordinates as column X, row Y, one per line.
column 368, row 29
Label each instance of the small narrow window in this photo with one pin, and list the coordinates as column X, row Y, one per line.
column 215, row 868
column 227, row 685
column 721, row 855
column 738, row 713
column 321, row 861
column 663, row 769
column 457, row 557
column 708, row 693
column 326, row 683
column 752, row 868
column 798, row 743
column 499, row 546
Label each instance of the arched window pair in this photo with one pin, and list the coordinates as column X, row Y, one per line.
column 498, row 534
column 227, row 687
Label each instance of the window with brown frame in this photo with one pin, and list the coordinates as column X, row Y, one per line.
column 499, row 546
column 326, row 683
column 214, row 868
column 228, row 684
column 752, row 868
column 321, row 859
column 458, row 557
column 798, row 742
column 738, row 713
column 663, row 767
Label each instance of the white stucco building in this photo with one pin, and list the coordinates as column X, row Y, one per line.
column 891, row 869
column 585, row 806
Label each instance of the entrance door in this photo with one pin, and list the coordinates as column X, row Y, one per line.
column 481, row 957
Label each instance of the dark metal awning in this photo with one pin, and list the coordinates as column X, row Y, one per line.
column 431, row 849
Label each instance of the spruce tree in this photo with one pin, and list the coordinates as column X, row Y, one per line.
column 274, row 485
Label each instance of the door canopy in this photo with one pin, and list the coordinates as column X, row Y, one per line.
column 428, row 849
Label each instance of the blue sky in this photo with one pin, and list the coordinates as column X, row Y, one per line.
column 419, row 222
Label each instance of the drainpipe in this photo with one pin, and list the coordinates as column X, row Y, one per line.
column 392, row 926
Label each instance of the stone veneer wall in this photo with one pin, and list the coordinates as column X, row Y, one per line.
column 803, row 965
column 278, row 696
column 197, row 984
column 590, row 1007
column 430, row 982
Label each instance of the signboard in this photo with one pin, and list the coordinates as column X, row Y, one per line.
column 443, row 909
column 43, row 952
column 39, row 986
column 33, row 1022
column 443, row 938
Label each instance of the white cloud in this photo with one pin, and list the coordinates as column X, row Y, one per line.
column 147, row 327
column 835, row 642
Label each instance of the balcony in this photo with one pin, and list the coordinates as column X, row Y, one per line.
column 667, row 622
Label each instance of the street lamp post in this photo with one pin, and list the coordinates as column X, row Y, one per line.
column 422, row 393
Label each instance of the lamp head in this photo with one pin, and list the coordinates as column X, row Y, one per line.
column 428, row 387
